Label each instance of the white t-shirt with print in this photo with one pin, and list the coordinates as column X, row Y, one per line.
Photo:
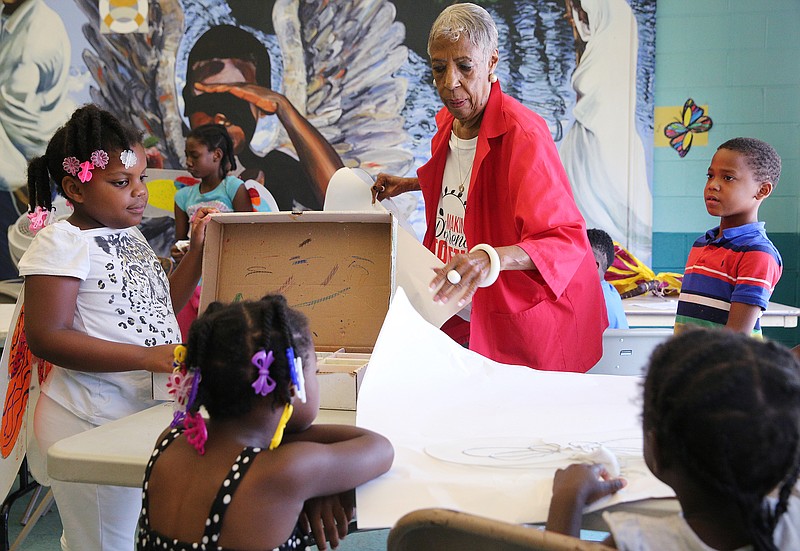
column 449, row 239
column 123, row 297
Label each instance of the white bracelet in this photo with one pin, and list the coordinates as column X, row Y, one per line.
column 494, row 261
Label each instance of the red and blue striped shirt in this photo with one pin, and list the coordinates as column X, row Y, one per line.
column 739, row 265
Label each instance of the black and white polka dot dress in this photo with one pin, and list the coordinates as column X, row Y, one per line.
column 150, row 540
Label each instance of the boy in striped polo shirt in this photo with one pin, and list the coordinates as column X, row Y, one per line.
column 733, row 268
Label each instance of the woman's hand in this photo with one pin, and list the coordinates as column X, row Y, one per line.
column 386, row 186
column 465, row 271
column 574, row 488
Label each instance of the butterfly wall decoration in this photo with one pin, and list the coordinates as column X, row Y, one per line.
column 693, row 121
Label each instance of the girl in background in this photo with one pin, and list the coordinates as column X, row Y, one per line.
column 721, row 426
column 210, row 158
column 236, row 481
column 98, row 306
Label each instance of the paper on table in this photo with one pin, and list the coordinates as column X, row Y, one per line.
column 349, row 189
column 422, row 389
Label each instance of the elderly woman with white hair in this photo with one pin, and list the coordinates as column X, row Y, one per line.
column 520, row 247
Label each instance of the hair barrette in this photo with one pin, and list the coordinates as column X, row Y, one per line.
column 83, row 171
column 296, row 372
column 264, row 384
column 182, row 385
column 196, row 432
column 38, row 219
column 128, row 158
column 284, row 420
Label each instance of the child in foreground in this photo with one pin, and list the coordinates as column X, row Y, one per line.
column 99, row 306
column 236, row 481
column 732, row 269
column 721, row 424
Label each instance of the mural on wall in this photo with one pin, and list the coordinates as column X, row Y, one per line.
column 320, row 83
column 602, row 152
column 686, row 129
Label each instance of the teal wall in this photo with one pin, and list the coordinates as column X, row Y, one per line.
column 736, row 57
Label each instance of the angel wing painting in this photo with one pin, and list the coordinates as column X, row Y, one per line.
column 318, row 94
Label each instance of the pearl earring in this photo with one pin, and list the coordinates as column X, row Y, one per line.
column 492, row 78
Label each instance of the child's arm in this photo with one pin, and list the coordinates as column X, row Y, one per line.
column 242, row 201
column 184, row 279
column 742, row 317
column 335, row 458
column 574, row 488
column 181, row 223
column 50, row 303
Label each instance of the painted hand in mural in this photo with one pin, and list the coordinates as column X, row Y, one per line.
column 266, row 100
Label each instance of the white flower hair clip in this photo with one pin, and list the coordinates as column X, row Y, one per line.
column 128, row 158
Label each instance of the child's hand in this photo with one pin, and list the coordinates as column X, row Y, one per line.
column 585, row 483
column 158, row 359
column 573, row 489
column 197, row 227
column 178, row 250
column 328, row 517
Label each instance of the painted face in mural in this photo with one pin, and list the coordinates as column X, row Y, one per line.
column 461, row 71
column 223, row 109
column 115, row 197
column 732, row 191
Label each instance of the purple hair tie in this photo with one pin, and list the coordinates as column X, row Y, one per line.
column 264, row 384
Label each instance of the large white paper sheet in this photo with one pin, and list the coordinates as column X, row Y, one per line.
column 350, row 190
column 428, row 394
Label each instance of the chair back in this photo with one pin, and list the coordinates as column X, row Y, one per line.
column 627, row 351
column 446, row 530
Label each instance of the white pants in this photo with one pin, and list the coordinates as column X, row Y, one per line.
column 95, row 518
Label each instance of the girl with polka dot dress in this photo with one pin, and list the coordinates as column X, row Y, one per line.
column 255, row 473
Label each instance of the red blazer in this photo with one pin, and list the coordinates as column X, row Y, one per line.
column 550, row 318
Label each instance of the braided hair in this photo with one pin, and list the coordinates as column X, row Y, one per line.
column 89, row 129
column 222, row 343
column 727, row 407
column 215, row 136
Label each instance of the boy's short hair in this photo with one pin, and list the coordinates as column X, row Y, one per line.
column 602, row 242
column 761, row 157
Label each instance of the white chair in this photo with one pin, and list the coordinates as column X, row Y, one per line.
column 627, row 351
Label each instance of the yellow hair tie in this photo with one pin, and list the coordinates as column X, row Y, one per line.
column 278, row 436
column 180, row 356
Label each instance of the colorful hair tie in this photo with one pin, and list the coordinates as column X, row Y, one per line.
column 38, row 219
column 83, row 171
column 264, row 384
column 278, row 436
column 128, row 158
column 296, row 372
column 196, row 432
column 182, row 385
